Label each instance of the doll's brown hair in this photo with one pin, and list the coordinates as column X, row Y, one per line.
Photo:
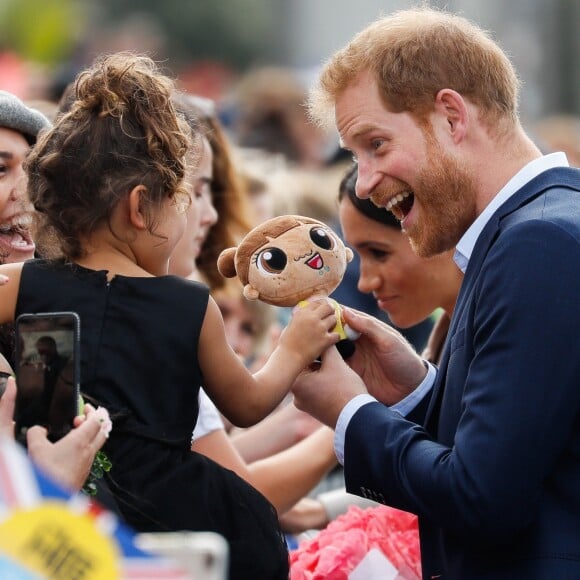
column 119, row 131
column 236, row 261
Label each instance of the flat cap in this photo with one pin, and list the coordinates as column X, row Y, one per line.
column 15, row 115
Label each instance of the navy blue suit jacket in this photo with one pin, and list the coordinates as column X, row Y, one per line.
column 491, row 460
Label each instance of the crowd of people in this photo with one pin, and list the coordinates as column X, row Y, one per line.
column 460, row 402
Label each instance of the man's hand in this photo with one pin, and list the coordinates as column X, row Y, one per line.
column 323, row 391
column 385, row 361
column 69, row 460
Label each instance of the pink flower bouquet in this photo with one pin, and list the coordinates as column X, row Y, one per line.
column 338, row 549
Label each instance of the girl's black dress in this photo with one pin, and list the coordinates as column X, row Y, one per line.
column 139, row 339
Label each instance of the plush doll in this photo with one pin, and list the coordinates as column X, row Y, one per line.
column 289, row 260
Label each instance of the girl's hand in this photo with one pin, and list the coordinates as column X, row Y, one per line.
column 311, row 330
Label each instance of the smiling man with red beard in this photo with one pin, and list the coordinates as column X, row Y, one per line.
column 485, row 449
column 19, row 128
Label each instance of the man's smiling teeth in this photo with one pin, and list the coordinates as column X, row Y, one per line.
column 395, row 201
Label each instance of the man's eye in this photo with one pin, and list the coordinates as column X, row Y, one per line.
column 271, row 260
column 376, row 143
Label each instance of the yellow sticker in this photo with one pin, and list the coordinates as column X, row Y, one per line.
column 54, row 541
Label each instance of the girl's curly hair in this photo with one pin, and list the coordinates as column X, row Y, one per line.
column 119, row 130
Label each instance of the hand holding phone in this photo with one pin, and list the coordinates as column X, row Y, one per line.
column 47, row 372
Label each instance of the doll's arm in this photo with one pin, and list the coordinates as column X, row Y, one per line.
column 351, row 333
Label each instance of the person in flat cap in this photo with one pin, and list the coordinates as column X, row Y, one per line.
column 20, row 126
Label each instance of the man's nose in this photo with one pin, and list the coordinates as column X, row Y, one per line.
column 366, row 181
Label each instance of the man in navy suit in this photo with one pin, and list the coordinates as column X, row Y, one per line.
column 486, row 448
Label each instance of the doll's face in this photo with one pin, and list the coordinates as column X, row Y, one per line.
column 306, row 260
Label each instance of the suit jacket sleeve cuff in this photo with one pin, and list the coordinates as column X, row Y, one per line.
column 344, row 419
column 412, row 400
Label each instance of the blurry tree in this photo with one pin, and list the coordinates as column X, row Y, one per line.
column 235, row 32
column 39, row 30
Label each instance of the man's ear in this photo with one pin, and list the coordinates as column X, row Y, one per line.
column 136, row 215
column 453, row 109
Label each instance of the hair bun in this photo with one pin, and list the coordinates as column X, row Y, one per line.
column 119, row 82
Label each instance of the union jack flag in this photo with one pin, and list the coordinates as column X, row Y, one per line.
column 24, row 488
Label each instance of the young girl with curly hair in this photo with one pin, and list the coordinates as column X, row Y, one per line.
column 108, row 182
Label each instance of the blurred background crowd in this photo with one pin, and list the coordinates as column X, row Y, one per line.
column 211, row 47
column 252, row 63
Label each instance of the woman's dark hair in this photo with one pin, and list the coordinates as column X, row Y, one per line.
column 347, row 188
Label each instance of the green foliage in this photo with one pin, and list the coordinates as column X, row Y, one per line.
column 235, row 32
column 39, row 30
column 101, row 465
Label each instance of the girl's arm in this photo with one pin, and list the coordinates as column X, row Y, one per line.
column 244, row 398
column 283, row 478
column 288, row 476
column 9, row 285
column 278, row 431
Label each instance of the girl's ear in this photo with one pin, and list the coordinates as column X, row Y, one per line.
column 136, row 215
column 250, row 292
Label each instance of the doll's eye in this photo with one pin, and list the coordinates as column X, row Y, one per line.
column 321, row 238
column 271, row 260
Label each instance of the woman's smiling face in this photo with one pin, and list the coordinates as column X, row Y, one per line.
column 16, row 244
column 408, row 288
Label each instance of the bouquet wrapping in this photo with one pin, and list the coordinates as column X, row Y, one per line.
column 380, row 542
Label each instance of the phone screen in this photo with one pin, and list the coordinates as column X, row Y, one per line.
column 47, row 372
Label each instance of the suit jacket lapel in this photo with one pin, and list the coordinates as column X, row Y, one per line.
column 551, row 178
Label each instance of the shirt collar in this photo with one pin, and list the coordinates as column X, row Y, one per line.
column 467, row 242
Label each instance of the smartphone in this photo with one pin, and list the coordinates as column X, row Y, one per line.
column 47, row 373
